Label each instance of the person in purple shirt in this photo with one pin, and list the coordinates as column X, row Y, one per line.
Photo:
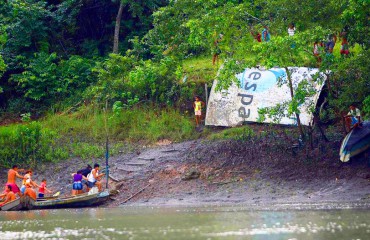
column 85, row 172
column 77, row 183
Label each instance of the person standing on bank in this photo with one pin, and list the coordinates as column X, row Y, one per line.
column 197, row 105
column 353, row 118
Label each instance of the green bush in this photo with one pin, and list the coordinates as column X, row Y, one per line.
column 47, row 79
column 126, row 79
column 28, row 144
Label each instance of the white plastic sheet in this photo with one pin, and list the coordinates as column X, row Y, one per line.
column 258, row 89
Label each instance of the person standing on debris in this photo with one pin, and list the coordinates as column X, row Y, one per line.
column 265, row 34
column 216, row 49
column 291, row 29
column 256, row 35
column 330, row 44
column 197, row 105
column 344, row 49
column 317, row 46
column 353, row 117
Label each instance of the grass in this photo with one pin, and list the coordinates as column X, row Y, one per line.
column 200, row 69
column 84, row 132
column 242, row 133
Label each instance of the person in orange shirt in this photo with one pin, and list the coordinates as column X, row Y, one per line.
column 10, row 196
column 30, row 192
column 12, row 176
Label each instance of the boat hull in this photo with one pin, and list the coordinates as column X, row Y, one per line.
column 19, row 204
column 79, row 201
column 355, row 142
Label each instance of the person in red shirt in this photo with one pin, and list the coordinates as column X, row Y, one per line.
column 42, row 189
column 257, row 36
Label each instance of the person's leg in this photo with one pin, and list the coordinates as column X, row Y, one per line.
column 98, row 184
column 348, row 121
column 198, row 120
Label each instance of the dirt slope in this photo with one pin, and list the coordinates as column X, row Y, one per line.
column 259, row 171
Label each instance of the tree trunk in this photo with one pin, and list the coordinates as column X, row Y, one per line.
column 292, row 95
column 117, row 27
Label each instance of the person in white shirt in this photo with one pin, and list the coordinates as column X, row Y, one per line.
column 94, row 177
column 291, row 29
column 353, row 117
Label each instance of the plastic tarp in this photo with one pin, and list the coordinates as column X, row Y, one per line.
column 259, row 89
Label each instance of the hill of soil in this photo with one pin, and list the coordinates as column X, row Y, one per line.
column 265, row 170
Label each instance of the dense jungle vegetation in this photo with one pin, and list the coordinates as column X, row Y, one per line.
column 70, row 70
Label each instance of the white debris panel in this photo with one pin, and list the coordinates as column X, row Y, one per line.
column 259, row 89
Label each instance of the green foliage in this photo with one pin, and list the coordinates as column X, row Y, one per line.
column 87, row 151
column 29, row 145
column 147, row 124
column 151, row 125
column 26, row 117
column 48, row 79
column 122, row 78
column 356, row 17
column 350, row 81
column 366, row 107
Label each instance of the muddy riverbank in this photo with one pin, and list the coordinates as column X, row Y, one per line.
column 270, row 170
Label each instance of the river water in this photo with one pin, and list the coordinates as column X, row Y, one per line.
column 256, row 222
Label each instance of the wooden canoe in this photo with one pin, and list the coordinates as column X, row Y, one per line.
column 355, row 142
column 22, row 203
column 78, row 201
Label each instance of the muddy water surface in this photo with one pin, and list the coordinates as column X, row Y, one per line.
column 188, row 223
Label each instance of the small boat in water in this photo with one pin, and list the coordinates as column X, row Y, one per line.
column 78, row 201
column 22, row 203
column 356, row 141
column 89, row 199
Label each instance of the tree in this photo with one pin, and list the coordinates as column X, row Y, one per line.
column 135, row 9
